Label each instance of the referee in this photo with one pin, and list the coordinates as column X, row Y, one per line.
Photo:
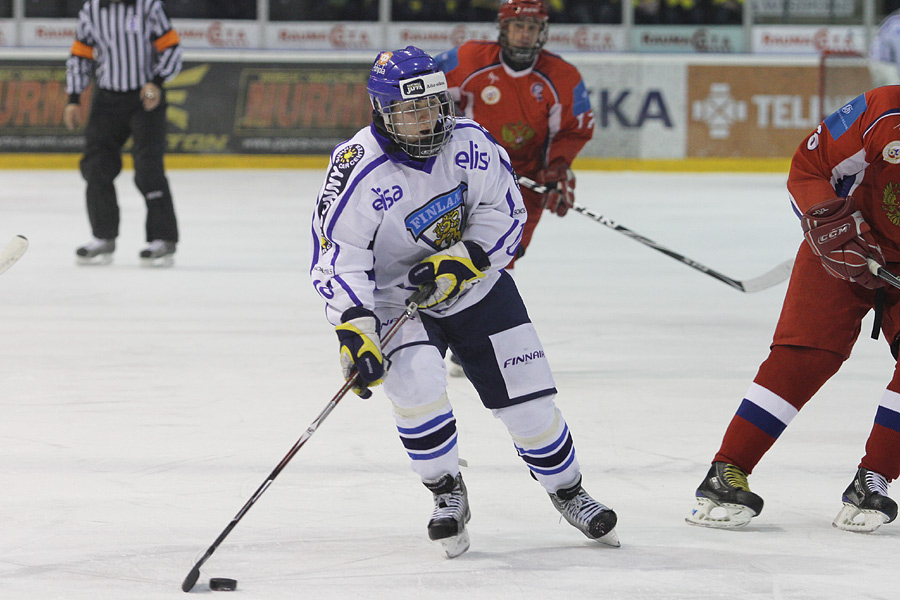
column 130, row 49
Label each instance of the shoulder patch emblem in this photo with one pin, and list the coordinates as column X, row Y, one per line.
column 840, row 120
column 349, row 156
column 891, row 152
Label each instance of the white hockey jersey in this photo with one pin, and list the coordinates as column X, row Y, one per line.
column 380, row 213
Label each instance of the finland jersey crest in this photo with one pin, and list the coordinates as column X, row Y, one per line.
column 441, row 221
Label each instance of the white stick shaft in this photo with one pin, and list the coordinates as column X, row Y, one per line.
column 13, row 252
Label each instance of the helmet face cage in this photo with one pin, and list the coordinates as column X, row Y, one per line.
column 420, row 126
column 522, row 10
column 410, row 95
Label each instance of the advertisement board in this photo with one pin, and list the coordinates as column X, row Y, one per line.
column 639, row 108
column 686, row 38
column 645, row 106
column 214, row 107
column 750, row 111
column 799, row 39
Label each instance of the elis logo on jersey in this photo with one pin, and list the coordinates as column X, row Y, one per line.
column 441, row 221
column 473, row 159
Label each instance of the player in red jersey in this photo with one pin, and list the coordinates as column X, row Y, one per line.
column 532, row 101
column 844, row 183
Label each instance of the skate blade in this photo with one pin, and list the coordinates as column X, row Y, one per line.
column 455, row 545
column 160, row 262
column 94, row 261
column 851, row 518
column 610, row 539
column 707, row 513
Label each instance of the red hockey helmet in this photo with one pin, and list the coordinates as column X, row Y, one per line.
column 525, row 10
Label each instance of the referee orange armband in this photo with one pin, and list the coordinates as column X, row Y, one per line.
column 82, row 50
column 167, row 40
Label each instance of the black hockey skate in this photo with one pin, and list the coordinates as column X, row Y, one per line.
column 596, row 521
column 724, row 499
column 96, row 252
column 866, row 503
column 158, row 253
column 451, row 513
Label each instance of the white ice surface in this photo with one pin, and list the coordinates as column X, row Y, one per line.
column 140, row 409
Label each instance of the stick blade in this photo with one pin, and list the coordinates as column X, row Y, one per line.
column 13, row 252
column 770, row 278
column 191, row 579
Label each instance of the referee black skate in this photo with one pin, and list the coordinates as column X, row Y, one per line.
column 128, row 47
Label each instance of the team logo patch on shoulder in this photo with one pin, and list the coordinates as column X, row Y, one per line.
column 490, row 95
column 349, row 156
column 891, row 152
column 338, row 175
column 840, row 120
column 441, row 221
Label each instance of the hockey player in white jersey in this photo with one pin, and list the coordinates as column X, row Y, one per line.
column 422, row 197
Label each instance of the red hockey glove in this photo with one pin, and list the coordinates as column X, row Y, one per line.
column 561, row 181
column 837, row 233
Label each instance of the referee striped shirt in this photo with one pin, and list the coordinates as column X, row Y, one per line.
column 123, row 43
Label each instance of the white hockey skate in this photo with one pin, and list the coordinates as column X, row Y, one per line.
column 159, row 253
column 595, row 520
column 451, row 513
column 724, row 499
column 866, row 504
column 96, row 252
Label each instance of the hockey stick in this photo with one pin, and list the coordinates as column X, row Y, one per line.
column 882, row 273
column 766, row 280
column 13, row 252
column 411, row 307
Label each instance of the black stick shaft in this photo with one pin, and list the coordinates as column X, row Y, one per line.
column 770, row 278
column 194, row 574
column 883, row 273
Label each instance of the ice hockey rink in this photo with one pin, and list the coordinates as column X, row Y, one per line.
column 141, row 408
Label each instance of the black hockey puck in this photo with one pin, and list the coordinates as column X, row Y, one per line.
column 222, row 584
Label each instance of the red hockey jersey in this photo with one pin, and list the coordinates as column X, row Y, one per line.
column 856, row 152
column 538, row 114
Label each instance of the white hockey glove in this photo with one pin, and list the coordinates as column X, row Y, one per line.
column 358, row 335
column 451, row 271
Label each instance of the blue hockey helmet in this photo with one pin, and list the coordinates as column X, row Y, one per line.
column 409, row 94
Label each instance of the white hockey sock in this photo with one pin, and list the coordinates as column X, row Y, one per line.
column 542, row 439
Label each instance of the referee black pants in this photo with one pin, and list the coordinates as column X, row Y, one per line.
column 116, row 116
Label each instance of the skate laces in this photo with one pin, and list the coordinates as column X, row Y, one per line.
column 580, row 509
column 96, row 244
column 450, row 505
column 876, row 483
column 736, row 478
column 157, row 246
